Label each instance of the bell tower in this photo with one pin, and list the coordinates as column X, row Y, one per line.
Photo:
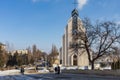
column 72, row 53
column 75, row 13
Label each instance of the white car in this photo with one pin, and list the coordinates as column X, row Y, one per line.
column 42, row 70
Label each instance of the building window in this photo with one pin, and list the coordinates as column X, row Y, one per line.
column 60, row 61
column 75, row 60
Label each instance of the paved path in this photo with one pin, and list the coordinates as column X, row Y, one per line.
column 72, row 77
column 51, row 76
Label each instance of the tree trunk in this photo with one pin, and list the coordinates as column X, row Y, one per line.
column 92, row 65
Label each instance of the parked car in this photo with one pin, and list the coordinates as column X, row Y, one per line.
column 42, row 70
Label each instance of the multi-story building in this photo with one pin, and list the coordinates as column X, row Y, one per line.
column 2, row 46
column 20, row 52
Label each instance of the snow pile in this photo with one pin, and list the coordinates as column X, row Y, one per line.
column 30, row 68
column 9, row 72
column 14, row 75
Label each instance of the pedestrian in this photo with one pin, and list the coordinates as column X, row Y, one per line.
column 55, row 69
column 58, row 69
column 22, row 70
column 36, row 68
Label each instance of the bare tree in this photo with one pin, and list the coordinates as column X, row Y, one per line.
column 99, row 38
column 34, row 51
column 53, row 55
column 3, row 55
column 116, row 53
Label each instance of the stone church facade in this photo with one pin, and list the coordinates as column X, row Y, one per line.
column 72, row 53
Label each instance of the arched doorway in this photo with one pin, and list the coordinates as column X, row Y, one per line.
column 75, row 60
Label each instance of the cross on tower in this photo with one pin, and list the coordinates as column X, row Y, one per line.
column 75, row 3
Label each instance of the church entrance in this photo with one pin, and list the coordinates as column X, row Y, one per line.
column 74, row 60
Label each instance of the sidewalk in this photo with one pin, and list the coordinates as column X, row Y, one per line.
column 70, row 76
column 94, row 72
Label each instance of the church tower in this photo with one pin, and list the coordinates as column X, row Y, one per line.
column 72, row 54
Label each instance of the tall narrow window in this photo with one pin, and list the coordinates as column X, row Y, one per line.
column 75, row 60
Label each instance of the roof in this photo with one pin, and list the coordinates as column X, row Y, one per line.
column 75, row 12
column 2, row 44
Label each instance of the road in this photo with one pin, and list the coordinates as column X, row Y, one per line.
column 63, row 76
column 71, row 77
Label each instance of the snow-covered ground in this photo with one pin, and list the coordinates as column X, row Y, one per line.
column 13, row 75
column 16, row 75
column 9, row 72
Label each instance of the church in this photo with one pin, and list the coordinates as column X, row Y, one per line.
column 71, row 53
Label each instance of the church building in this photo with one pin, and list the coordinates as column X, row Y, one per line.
column 72, row 53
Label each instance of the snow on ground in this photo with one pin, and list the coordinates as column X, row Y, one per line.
column 9, row 72
column 13, row 75
column 4, row 75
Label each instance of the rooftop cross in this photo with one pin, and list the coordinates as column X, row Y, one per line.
column 75, row 3
column 75, row 11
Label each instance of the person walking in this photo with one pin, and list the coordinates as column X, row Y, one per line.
column 22, row 70
column 58, row 69
column 36, row 68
